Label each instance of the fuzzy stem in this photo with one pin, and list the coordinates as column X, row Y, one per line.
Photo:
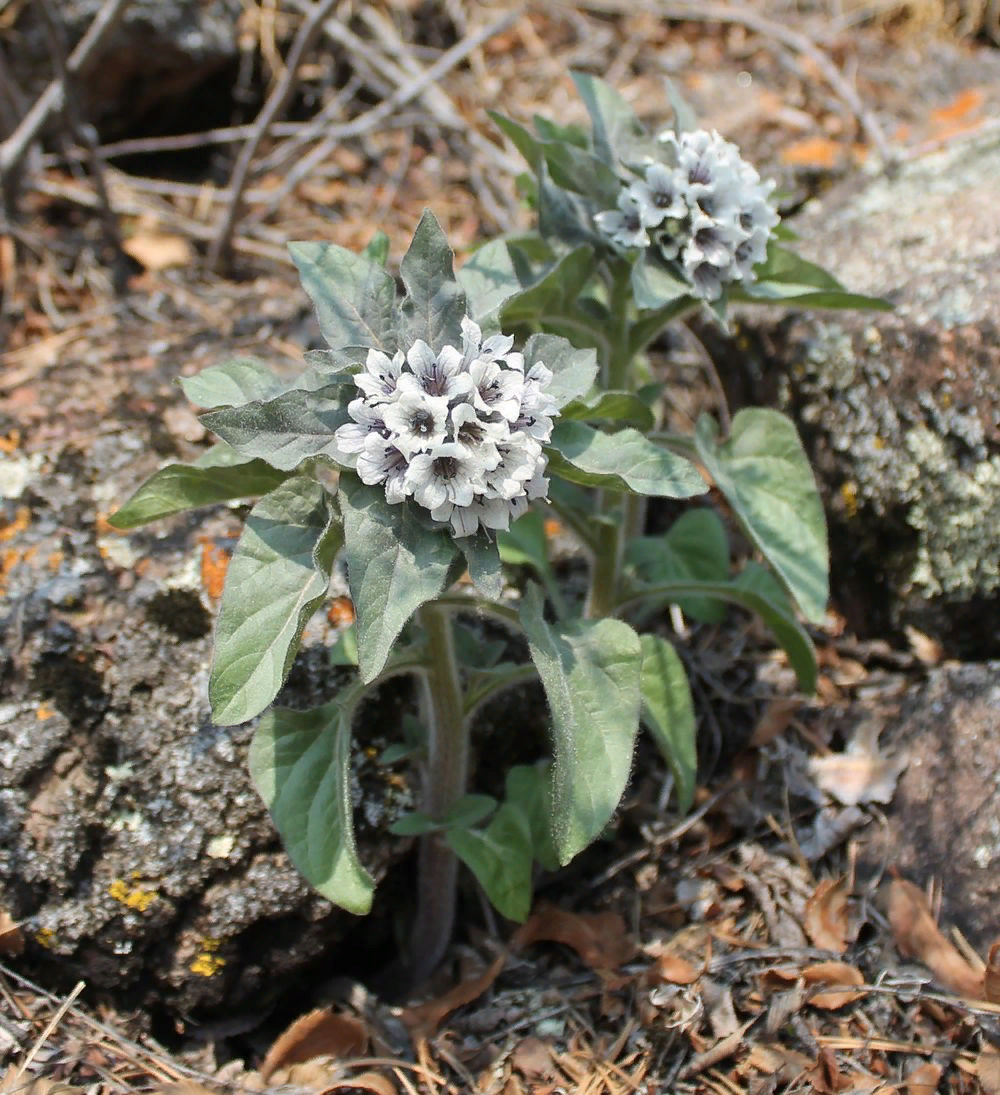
column 444, row 783
column 604, row 576
column 620, row 357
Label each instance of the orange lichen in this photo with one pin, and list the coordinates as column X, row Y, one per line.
column 341, row 612
column 10, row 442
column 214, row 565
column 10, row 529
column 44, row 712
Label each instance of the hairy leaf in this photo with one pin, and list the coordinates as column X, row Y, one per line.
column 288, row 429
column 500, row 858
column 489, row 279
column 232, row 383
column 623, row 461
column 573, row 370
column 620, row 408
column 179, row 487
column 483, row 560
column 695, row 548
column 276, row 580
column 530, row 787
column 554, row 290
column 655, row 288
column 668, row 712
column 354, row 298
column 394, row 565
column 434, row 306
column 765, row 476
column 616, row 128
column 590, row 672
column 300, row 764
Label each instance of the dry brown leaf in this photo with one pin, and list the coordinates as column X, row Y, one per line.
column 674, row 970
column 825, row 1075
column 991, row 976
column 15, row 1081
column 366, row 1081
column 825, row 919
column 159, row 250
column 424, row 1019
column 833, row 973
column 775, row 720
column 928, row 651
column 600, row 939
column 917, row 936
column 321, row 1033
column 862, row 773
column 11, row 936
column 923, row 1080
column 988, row 1070
column 531, row 1057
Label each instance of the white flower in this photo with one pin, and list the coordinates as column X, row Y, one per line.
column 712, row 240
column 537, row 406
column 478, row 436
column 382, row 462
column 367, row 419
column 495, row 348
column 378, row 381
column 519, row 458
column 442, row 375
column 624, row 225
column 659, row 196
column 496, row 390
column 416, row 421
column 448, row 473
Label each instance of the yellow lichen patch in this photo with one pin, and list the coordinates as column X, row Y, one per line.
column 394, row 779
column 10, row 442
column 44, row 712
column 879, row 443
column 371, row 752
column 207, row 963
column 45, row 937
column 136, row 897
column 849, row 496
column 10, row 529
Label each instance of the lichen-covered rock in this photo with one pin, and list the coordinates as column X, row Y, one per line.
column 900, row 412
column 161, row 50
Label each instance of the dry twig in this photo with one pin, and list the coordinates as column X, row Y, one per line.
column 220, row 252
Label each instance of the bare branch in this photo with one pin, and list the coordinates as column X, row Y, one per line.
column 15, row 147
column 221, row 250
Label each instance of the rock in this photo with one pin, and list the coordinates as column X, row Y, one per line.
column 900, row 413
column 944, row 822
column 133, row 846
column 162, row 50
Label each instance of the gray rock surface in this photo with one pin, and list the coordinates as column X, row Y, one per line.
column 162, row 49
column 900, row 412
column 944, row 821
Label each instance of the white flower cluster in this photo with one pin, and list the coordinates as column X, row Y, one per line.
column 709, row 212
column 460, row 431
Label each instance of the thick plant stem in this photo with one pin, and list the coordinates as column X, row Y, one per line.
column 603, row 590
column 620, row 359
column 444, row 783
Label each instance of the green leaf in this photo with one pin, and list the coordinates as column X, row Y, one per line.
column 394, row 565
column 483, row 560
column 572, row 134
column 520, row 137
column 179, row 487
column 757, row 578
column 300, row 763
column 620, row 408
column 655, row 288
column 616, row 128
column 529, row 786
column 434, row 306
column 344, row 651
column 784, row 275
column 573, row 370
column 277, row 578
column 377, row 250
column 684, row 117
column 489, row 279
column 500, row 858
column 793, row 639
column 469, row 810
column 590, row 672
column 288, row 429
column 524, row 544
column 668, row 712
column 415, row 823
column 695, row 548
column 651, row 324
column 231, row 384
column 354, row 298
column 563, row 215
column 555, row 290
column 575, row 169
column 764, row 474
column 623, row 461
